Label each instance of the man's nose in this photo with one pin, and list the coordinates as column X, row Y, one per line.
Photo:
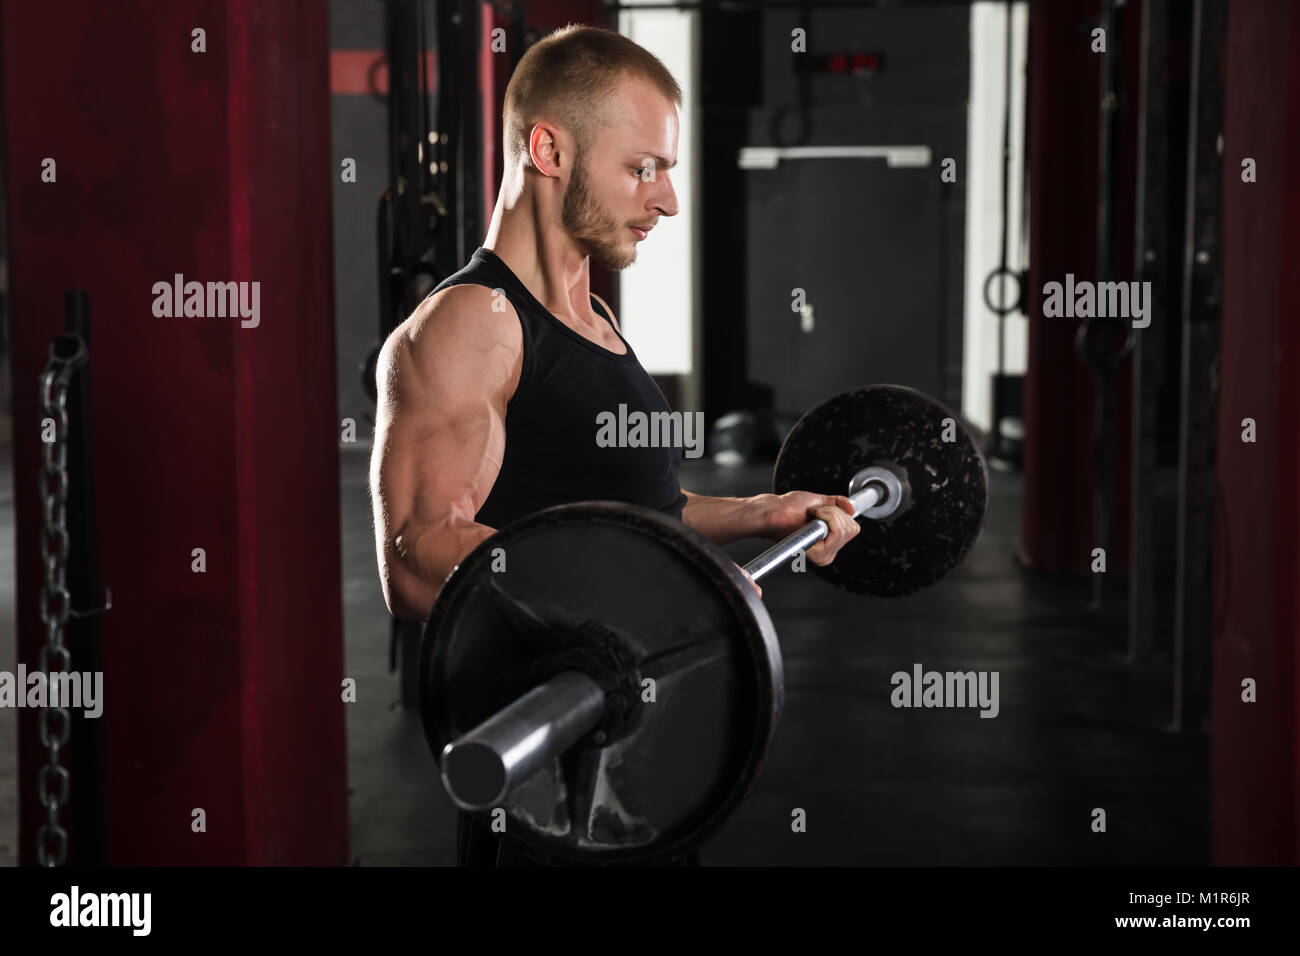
column 666, row 199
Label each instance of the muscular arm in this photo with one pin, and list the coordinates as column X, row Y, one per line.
column 445, row 376
column 724, row 520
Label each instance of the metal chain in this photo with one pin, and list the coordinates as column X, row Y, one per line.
column 56, row 722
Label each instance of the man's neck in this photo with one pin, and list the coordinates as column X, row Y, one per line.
column 545, row 261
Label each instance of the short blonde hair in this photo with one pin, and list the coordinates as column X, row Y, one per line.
column 566, row 78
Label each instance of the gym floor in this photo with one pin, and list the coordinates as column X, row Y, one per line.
column 1077, row 727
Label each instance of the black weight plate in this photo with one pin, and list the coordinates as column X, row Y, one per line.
column 903, row 429
column 680, row 611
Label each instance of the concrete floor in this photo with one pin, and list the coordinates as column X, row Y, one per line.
column 1078, row 728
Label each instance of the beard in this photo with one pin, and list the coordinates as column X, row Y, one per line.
column 598, row 234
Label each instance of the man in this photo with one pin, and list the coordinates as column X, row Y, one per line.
column 490, row 390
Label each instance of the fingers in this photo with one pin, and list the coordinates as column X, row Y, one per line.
column 843, row 528
column 843, row 503
column 752, row 583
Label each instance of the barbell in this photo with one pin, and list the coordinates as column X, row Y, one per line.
column 603, row 679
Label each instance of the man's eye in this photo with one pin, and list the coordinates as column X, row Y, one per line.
column 636, row 171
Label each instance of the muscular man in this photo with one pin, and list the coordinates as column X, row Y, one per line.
column 490, row 390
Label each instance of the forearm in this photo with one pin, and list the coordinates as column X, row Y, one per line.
column 724, row 520
column 422, row 557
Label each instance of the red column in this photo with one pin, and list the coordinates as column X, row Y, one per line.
column 1057, row 506
column 222, row 688
column 1254, row 759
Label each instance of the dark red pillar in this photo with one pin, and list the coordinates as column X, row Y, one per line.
column 222, row 688
column 1255, row 789
column 1063, row 102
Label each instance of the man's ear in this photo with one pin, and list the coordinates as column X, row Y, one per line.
column 544, row 148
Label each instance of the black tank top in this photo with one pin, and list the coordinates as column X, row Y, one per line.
column 567, row 382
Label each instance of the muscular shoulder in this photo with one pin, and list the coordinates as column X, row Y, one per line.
column 465, row 336
column 469, row 309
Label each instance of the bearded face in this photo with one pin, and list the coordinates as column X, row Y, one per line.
column 598, row 232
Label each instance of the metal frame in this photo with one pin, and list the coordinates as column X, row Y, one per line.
column 1105, row 363
column 1150, row 265
column 89, row 809
column 1200, row 319
column 769, row 157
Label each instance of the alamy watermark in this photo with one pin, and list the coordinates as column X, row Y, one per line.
column 1098, row 300
column 75, row 690
column 637, row 429
column 77, row 909
column 212, row 300
column 922, row 688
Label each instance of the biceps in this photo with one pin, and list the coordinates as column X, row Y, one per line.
column 439, row 466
